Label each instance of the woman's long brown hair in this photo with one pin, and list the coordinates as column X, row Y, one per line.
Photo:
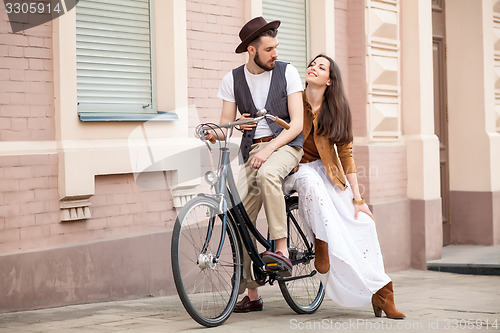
column 334, row 119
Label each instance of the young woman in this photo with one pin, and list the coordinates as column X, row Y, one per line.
column 348, row 255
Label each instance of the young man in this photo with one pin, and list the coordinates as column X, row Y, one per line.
column 267, row 151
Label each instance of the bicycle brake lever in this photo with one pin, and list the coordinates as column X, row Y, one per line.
column 208, row 146
column 205, row 140
column 201, row 135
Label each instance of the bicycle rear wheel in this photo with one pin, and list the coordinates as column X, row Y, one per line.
column 207, row 286
column 306, row 294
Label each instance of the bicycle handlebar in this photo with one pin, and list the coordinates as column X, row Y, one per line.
column 261, row 115
column 281, row 122
column 213, row 140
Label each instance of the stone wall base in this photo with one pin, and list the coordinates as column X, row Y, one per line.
column 393, row 223
column 475, row 217
column 119, row 269
column 426, row 231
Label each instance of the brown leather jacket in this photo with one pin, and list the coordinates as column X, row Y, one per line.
column 336, row 169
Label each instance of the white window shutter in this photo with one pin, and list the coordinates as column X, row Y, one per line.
column 113, row 47
column 292, row 35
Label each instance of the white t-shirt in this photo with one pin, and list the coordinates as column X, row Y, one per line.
column 259, row 89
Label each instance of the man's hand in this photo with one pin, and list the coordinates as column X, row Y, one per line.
column 249, row 126
column 210, row 136
column 296, row 110
column 261, row 157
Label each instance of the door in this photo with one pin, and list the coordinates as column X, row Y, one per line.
column 441, row 108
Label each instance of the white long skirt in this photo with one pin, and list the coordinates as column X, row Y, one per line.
column 356, row 264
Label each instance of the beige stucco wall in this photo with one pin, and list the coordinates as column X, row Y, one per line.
column 417, row 100
column 474, row 139
column 474, row 142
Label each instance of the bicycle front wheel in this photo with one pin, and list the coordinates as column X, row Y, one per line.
column 207, row 285
column 304, row 294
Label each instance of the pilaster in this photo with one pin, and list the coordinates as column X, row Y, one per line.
column 472, row 35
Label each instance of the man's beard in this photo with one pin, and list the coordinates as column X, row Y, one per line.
column 266, row 67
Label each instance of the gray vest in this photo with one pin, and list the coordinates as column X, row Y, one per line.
column 276, row 104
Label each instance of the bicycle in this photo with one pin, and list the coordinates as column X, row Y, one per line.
column 207, row 239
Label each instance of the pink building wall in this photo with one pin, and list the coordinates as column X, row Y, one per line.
column 26, row 88
column 212, row 37
column 29, row 204
column 121, row 208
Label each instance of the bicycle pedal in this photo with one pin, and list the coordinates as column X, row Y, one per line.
column 276, row 266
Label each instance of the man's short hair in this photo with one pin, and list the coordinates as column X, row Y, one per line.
column 271, row 33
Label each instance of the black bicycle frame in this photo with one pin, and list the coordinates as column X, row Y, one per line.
column 239, row 217
column 237, row 213
column 302, row 235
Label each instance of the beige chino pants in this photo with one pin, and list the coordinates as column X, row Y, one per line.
column 263, row 186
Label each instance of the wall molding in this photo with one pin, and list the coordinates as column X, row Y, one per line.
column 383, row 70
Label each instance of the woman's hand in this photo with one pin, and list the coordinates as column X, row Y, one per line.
column 364, row 209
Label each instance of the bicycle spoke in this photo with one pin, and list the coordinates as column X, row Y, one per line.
column 304, row 295
column 205, row 284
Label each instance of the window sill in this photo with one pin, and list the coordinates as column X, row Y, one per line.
column 110, row 116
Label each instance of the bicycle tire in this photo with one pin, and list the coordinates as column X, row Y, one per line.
column 303, row 295
column 207, row 289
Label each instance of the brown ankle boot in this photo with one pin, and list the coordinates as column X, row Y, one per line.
column 384, row 300
column 322, row 259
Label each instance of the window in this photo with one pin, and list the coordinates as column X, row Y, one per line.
column 292, row 34
column 114, row 57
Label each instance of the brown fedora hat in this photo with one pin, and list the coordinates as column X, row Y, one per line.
column 252, row 29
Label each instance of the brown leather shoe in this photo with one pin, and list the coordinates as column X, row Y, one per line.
column 246, row 305
column 277, row 262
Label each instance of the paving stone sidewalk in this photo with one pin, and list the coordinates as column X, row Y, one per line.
column 432, row 301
